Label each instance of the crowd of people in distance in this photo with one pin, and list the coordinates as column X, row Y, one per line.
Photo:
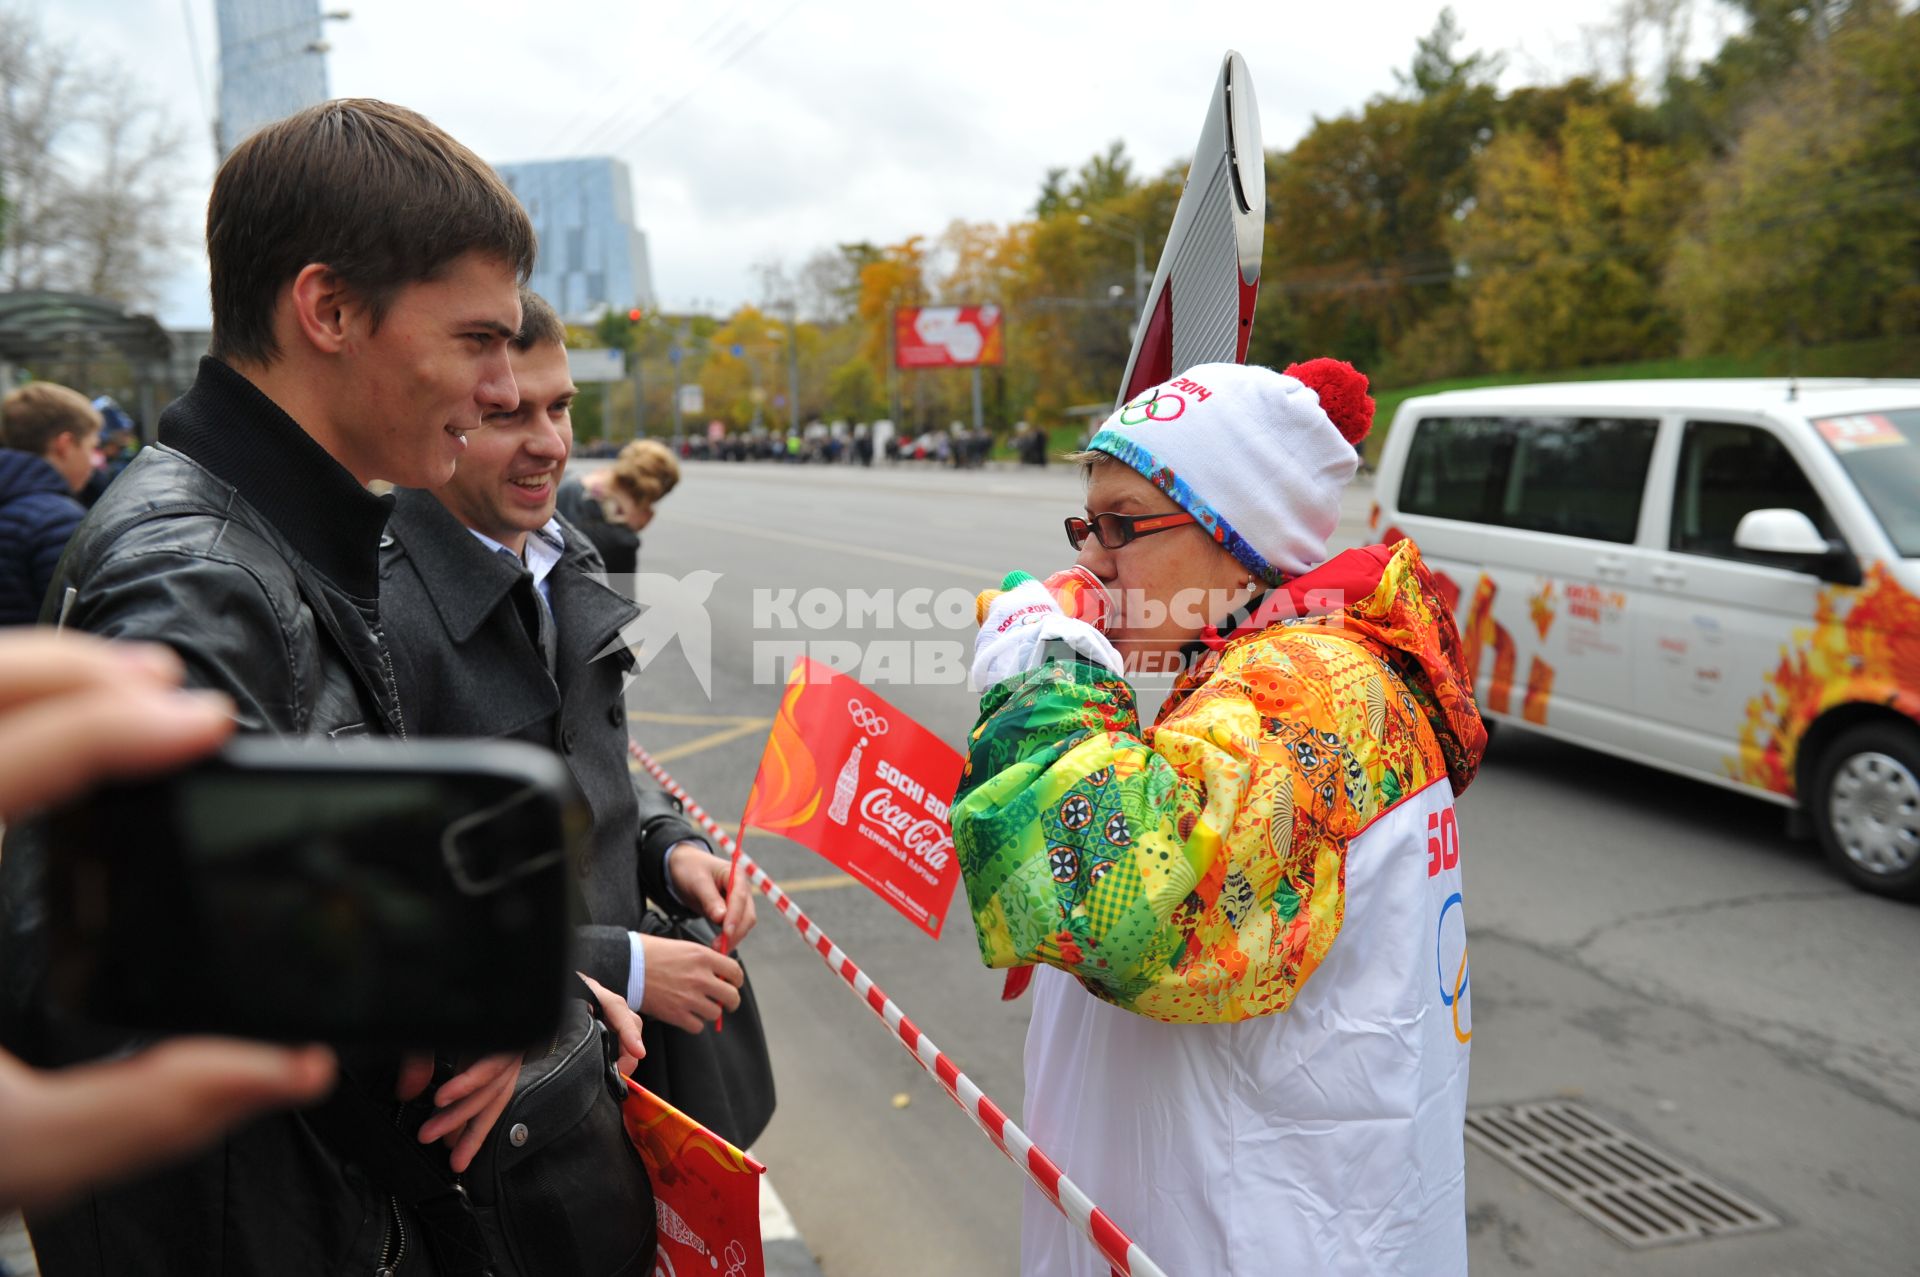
column 955, row 447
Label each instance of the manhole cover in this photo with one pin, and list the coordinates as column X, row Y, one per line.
column 1638, row 1194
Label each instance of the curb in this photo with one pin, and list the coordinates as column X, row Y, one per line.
column 785, row 1250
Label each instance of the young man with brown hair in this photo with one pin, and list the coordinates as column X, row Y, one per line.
column 365, row 271
column 47, row 434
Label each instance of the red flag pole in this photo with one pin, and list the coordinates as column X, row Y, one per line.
column 1120, row 1251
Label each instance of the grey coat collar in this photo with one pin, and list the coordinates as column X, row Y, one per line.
column 468, row 582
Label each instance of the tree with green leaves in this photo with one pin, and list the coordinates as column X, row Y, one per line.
column 1358, row 257
column 1808, row 230
column 1562, row 251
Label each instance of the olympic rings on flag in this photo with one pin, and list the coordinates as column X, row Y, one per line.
column 867, row 720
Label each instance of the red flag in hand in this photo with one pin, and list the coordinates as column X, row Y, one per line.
column 864, row 785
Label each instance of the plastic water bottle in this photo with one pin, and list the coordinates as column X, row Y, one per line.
column 1076, row 589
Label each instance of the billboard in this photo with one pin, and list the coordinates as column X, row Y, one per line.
column 948, row 336
column 601, row 364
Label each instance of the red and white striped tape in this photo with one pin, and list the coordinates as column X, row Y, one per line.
column 1115, row 1246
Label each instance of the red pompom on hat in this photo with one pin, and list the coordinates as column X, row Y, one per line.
column 1343, row 395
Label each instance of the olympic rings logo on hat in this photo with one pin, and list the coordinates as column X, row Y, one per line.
column 867, row 720
column 1158, row 404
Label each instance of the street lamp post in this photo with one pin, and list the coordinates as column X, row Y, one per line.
column 317, row 47
column 792, row 338
column 674, row 353
column 1119, row 228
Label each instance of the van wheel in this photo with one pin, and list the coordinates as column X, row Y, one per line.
column 1866, row 808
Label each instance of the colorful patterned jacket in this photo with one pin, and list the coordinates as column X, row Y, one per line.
column 1196, row 872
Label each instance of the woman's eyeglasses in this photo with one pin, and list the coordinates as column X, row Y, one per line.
column 1115, row 530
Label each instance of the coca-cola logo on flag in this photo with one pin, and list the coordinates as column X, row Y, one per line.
column 883, row 816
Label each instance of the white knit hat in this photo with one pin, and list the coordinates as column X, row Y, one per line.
column 1258, row 457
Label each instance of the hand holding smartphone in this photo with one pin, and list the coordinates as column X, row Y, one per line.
column 366, row 892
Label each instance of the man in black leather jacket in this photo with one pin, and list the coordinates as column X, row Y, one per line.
column 365, row 272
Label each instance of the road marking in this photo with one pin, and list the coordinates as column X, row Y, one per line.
column 842, row 547
column 827, row 882
column 689, row 720
column 713, row 740
column 737, row 725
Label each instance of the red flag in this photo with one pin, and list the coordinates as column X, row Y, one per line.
column 858, row 781
column 706, row 1192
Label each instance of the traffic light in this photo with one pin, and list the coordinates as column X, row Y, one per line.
column 634, row 315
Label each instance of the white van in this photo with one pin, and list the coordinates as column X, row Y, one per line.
column 1721, row 578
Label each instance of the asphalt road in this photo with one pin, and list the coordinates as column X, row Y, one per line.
column 1654, row 948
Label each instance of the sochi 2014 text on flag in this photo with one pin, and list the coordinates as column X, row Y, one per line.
column 856, row 780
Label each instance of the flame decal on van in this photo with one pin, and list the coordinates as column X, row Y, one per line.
column 1480, row 631
column 1864, row 647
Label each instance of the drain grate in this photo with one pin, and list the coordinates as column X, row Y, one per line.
column 1637, row 1194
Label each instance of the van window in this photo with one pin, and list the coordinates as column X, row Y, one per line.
column 1572, row 476
column 1727, row 470
column 1881, row 453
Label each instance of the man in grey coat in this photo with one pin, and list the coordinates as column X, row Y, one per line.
column 497, row 616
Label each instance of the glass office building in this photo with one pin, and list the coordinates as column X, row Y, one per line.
column 272, row 63
column 592, row 256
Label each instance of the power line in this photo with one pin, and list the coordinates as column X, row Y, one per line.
column 732, row 29
column 621, row 78
column 730, row 59
column 199, row 67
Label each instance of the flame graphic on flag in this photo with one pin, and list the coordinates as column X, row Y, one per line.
column 706, row 1192
column 666, row 1136
column 786, row 792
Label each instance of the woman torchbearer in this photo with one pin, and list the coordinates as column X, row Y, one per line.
column 1251, row 1018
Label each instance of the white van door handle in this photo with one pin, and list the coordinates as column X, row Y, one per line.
column 1671, row 577
column 1610, row 566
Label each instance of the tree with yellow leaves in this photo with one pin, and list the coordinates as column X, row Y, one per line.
column 1560, row 255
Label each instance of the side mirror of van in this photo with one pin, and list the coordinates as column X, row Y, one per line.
column 1790, row 534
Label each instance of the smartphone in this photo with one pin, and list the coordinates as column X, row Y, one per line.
column 362, row 892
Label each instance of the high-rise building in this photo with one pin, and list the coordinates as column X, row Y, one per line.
column 272, row 63
column 592, row 255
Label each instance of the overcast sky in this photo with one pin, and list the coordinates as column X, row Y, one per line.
column 766, row 129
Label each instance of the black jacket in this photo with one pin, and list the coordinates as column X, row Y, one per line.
column 242, row 544
column 461, row 623
column 37, row 515
column 618, row 544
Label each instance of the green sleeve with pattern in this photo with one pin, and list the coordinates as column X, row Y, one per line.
column 1068, row 829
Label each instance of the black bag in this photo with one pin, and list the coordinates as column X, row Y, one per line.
column 724, row 1080
column 556, row 1188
